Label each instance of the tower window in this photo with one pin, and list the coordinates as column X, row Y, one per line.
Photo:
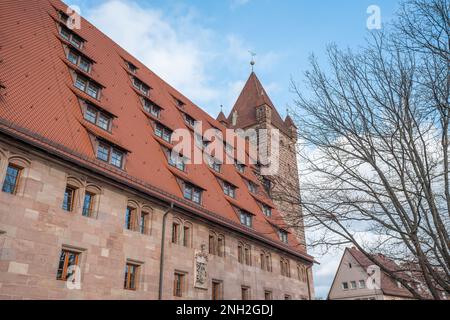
column 11, row 179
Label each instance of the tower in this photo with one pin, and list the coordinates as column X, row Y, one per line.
column 254, row 110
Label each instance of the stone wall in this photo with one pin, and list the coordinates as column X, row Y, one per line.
column 34, row 228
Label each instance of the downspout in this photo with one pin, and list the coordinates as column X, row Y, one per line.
column 161, row 258
column 307, row 281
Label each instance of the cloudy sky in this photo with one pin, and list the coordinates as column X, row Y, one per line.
column 202, row 48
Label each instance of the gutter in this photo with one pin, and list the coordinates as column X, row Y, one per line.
column 161, row 258
column 121, row 177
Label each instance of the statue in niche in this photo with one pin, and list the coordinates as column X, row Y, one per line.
column 201, row 272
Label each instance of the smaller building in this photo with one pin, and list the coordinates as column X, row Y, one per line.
column 358, row 279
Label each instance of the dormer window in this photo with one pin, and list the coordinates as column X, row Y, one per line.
column 87, row 86
column 189, row 120
column 179, row 103
column 68, row 35
column 76, row 59
column 177, row 161
column 192, row 193
column 109, row 154
column 152, row 108
column 142, row 87
column 229, row 189
column 163, row 132
column 97, row 117
column 228, row 148
column 214, row 164
column 240, row 167
column 252, row 187
column 63, row 17
column 131, row 67
column 246, row 218
column 267, row 210
column 283, row 235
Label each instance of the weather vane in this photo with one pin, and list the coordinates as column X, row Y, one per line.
column 252, row 63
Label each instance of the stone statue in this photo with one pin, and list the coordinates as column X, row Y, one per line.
column 201, row 272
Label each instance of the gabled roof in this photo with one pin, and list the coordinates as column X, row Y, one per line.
column 252, row 96
column 388, row 285
column 41, row 105
column 221, row 118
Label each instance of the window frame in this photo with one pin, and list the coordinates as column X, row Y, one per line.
column 111, row 150
column 17, row 177
column 88, row 87
column 246, row 218
column 179, row 284
column 229, row 189
column 131, row 279
column 193, row 194
column 78, row 60
column 65, row 263
column 216, row 290
column 70, row 206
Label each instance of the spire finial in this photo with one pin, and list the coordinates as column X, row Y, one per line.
column 221, row 108
column 252, row 62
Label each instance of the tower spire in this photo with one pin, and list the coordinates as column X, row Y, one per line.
column 252, row 62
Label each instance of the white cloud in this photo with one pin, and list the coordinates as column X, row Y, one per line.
column 238, row 3
column 207, row 67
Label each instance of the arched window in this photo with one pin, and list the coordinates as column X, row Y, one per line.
column 221, row 245
column 131, row 216
column 187, row 234
column 266, row 261
column 91, row 201
column 72, row 194
column 14, row 174
column 285, row 268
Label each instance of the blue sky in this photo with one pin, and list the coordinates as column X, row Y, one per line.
column 201, row 47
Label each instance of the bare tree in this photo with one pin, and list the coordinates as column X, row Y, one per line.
column 374, row 132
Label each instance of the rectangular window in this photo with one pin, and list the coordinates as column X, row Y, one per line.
column 144, row 222
column 103, row 121
column 283, row 235
column 93, row 90
column 67, row 261
column 81, row 83
column 248, row 256
column 111, row 155
column 88, row 204
column 189, row 120
column 240, row 167
column 91, row 114
column 186, row 236
column 131, row 276
column 163, row 132
column 240, row 254
column 69, row 197
column 253, row 188
column 179, row 103
column 287, row 297
column 130, row 218
column 229, row 189
column 103, row 152
column 212, row 245
column 178, row 284
column 65, row 33
column 151, row 108
column 246, row 219
column 267, row 210
column 116, row 158
column 345, row 285
column 353, row 285
column 175, row 232
column 192, row 193
column 76, row 41
column 245, row 291
column 362, row 284
column 217, row 290
column 131, row 67
column 176, row 161
column 142, row 87
column 220, row 246
column 83, row 63
column 11, row 179
column 268, row 295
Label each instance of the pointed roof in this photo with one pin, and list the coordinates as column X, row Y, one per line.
column 289, row 122
column 221, row 118
column 252, row 96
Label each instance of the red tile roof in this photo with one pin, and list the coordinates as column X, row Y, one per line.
column 254, row 95
column 40, row 105
column 388, row 285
